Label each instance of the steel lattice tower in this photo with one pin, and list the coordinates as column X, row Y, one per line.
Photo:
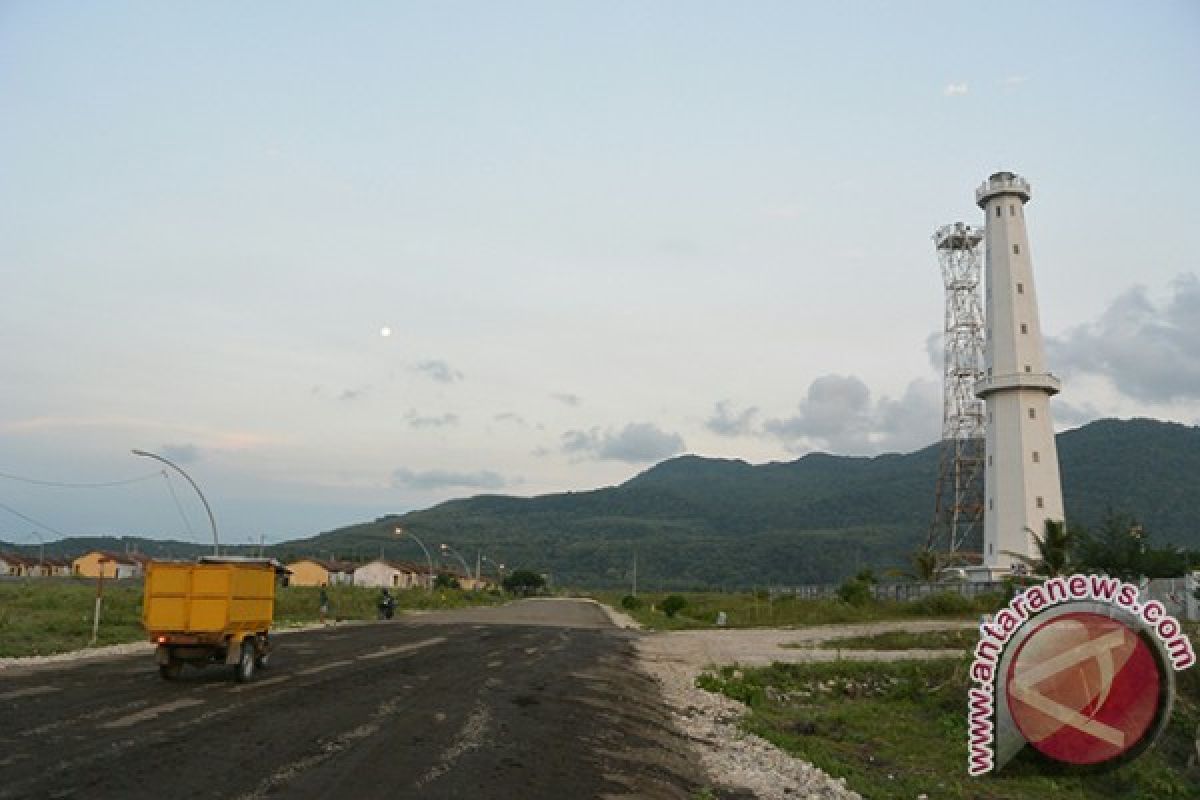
column 957, row 529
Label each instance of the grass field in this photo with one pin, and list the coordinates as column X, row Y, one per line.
column 757, row 609
column 44, row 616
column 898, row 730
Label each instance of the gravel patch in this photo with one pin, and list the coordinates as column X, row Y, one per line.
column 741, row 761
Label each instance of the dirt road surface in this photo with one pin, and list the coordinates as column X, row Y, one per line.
column 538, row 699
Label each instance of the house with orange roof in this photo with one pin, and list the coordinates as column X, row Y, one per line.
column 320, row 572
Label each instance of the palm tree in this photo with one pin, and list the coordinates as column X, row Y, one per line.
column 926, row 565
column 1054, row 549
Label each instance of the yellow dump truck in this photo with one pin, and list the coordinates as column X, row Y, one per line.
column 217, row 610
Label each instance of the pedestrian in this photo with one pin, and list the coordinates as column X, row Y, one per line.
column 324, row 604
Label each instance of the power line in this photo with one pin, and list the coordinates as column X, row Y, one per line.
column 64, row 485
column 178, row 507
column 42, row 525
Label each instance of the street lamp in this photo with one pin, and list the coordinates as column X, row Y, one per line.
column 499, row 567
column 211, row 520
column 428, row 558
column 448, row 549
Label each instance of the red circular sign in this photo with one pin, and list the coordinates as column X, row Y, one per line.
column 1084, row 688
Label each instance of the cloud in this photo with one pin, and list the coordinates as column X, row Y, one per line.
column 509, row 416
column 180, row 453
column 565, row 398
column 1013, row 82
column 838, row 414
column 1147, row 351
column 1069, row 415
column 913, row 421
column 349, row 395
column 726, row 422
column 935, row 348
column 445, row 479
column 415, row 420
column 637, row 442
column 439, row 371
column 955, row 89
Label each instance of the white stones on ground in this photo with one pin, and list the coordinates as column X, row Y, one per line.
column 743, row 761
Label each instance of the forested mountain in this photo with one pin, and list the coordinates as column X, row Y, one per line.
column 697, row 521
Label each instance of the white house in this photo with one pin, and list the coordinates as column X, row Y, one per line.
column 391, row 575
column 13, row 564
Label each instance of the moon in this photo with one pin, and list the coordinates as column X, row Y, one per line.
column 385, row 331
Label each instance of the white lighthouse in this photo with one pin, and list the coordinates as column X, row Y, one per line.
column 1022, row 483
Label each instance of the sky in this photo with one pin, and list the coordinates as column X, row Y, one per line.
column 339, row 260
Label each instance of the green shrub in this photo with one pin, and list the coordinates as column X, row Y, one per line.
column 630, row 603
column 673, row 604
column 855, row 592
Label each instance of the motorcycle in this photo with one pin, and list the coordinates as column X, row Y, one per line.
column 387, row 608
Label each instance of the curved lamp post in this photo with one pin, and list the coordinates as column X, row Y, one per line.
column 428, row 558
column 499, row 567
column 448, row 549
column 211, row 520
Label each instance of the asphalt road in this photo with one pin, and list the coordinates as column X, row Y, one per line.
column 539, row 699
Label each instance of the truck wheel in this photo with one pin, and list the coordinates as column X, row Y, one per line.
column 171, row 670
column 262, row 661
column 244, row 670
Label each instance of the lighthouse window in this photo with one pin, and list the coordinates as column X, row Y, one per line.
column 1016, row 249
column 1041, row 503
column 989, row 461
column 1036, row 458
column 1012, row 210
column 1020, row 288
column 1028, row 368
column 1033, row 413
column 999, row 211
column 989, row 504
column 1024, row 328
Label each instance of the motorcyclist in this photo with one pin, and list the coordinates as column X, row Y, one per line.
column 387, row 605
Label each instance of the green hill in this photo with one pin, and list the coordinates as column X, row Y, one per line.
column 697, row 521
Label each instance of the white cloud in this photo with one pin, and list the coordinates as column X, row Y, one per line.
column 1070, row 415
column 727, row 422
column 838, row 414
column 1147, row 351
column 568, row 399
column 636, row 443
column 1013, row 82
column 955, row 89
